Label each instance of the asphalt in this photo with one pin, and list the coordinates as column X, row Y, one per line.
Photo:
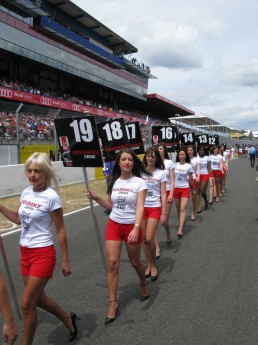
column 206, row 293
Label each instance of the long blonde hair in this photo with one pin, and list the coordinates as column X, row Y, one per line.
column 42, row 159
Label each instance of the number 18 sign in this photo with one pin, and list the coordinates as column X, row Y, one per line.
column 78, row 141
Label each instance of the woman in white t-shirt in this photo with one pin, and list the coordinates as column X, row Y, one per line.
column 194, row 161
column 181, row 195
column 217, row 172
column 40, row 206
column 126, row 196
column 205, row 174
column 155, row 207
column 225, row 163
column 169, row 170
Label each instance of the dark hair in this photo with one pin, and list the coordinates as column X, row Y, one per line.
column 203, row 148
column 138, row 168
column 213, row 148
column 166, row 156
column 194, row 149
column 154, row 151
column 187, row 158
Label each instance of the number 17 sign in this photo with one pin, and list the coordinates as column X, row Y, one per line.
column 78, row 141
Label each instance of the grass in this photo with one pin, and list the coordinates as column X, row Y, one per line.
column 73, row 197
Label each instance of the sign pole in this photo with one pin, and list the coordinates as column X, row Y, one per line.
column 18, row 311
column 95, row 221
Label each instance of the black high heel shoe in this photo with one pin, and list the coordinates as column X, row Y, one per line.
column 111, row 319
column 73, row 334
column 144, row 297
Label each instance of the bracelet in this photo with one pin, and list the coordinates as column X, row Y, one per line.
column 137, row 226
column 164, row 214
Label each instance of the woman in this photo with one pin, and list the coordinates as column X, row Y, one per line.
column 181, row 195
column 155, row 207
column 205, row 175
column 126, row 195
column 225, row 162
column 169, row 170
column 217, row 172
column 194, row 161
column 40, row 207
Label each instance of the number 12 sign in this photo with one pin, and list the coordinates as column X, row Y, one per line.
column 78, row 141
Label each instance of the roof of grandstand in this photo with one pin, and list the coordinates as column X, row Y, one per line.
column 78, row 15
column 202, row 122
column 161, row 106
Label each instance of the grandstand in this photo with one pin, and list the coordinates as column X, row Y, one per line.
column 56, row 58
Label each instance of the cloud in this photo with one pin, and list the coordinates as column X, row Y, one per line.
column 243, row 72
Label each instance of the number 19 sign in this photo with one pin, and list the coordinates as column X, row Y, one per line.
column 78, row 141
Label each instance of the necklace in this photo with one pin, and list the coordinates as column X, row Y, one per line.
column 39, row 189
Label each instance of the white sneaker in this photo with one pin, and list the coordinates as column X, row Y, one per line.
column 256, row 180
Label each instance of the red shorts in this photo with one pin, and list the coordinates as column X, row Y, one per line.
column 181, row 193
column 38, row 262
column 120, row 232
column 217, row 173
column 152, row 212
column 204, row 177
column 195, row 184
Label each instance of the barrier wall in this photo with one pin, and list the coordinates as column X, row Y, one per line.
column 13, row 179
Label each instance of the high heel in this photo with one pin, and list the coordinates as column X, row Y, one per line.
column 73, row 334
column 144, row 297
column 111, row 319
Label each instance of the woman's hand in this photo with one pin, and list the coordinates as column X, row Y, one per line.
column 133, row 236
column 66, row 269
column 91, row 195
column 163, row 219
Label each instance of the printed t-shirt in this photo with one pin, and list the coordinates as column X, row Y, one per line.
column 124, row 199
column 36, row 220
column 204, row 164
column 154, row 187
column 181, row 175
column 215, row 161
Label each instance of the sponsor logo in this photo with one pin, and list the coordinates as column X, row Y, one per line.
column 6, row 93
column 45, row 101
column 76, row 107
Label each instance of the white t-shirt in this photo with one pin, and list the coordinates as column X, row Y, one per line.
column 215, row 161
column 154, row 187
column 181, row 175
column 204, row 164
column 169, row 165
column 124, row 199
column 194, row 163
column 36, row 220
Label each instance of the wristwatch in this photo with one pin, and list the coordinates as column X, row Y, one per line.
column 137, row 226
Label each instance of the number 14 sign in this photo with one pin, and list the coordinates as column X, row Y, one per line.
column 78, row 140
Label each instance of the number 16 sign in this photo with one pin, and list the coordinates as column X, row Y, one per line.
column 79, row 143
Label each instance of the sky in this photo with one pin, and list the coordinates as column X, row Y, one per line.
column 204, row 53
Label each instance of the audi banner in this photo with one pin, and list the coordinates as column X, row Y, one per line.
column 60, row 104
column 78, row 141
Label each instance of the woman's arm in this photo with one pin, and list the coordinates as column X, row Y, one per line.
column 163, row 195
column 198, row 172
column 13, row 216
column 172, row 185
column 58, row 220
column 106, row 203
